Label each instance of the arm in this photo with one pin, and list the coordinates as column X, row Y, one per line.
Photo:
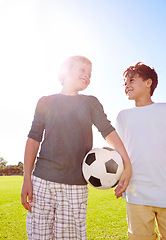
column 115, row 142
column 31, row 151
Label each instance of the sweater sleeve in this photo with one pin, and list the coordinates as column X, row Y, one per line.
column 38, row 124
column 100, row 119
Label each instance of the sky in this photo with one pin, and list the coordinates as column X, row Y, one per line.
column 36, row 36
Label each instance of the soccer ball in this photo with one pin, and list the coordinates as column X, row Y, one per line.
column 102, row 167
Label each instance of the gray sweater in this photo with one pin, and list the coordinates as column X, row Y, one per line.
column 64, row 126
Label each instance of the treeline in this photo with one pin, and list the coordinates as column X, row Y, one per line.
column 7, row 170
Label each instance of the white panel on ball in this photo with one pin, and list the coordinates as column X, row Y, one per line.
column 102, row 167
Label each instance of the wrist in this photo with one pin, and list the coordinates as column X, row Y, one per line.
column 27, row 176
column 127, row 165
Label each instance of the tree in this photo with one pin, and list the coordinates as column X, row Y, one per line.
column 3, row 162
column 10, row 169
column 19, row 164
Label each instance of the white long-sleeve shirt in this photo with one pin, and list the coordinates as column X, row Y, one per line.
column 143, row 132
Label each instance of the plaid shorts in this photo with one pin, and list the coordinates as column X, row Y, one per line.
column 58, row 211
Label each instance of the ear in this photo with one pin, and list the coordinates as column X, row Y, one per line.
column 149, row 82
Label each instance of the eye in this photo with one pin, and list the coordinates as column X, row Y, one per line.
column 82, row 70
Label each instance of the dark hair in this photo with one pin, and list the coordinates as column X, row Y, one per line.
column 143, row 71
column 69, row 63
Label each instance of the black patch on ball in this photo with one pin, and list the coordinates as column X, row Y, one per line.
column 115, row 184
column 108, row 148
column 95, row 181
column 90, row 158
column 111, row 166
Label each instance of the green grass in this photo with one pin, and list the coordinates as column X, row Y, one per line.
column 106, row 216
column 12, row 214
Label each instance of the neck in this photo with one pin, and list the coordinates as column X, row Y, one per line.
column 69, row 92
column 142, row 103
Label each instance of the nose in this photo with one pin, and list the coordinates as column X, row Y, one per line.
column 86, row 75
column 127, row 84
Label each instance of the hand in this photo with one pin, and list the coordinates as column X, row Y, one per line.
column 27, row 192
column 123, row 182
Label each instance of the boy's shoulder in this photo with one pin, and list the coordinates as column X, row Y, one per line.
column 91, row 97
column 54, row 97
column 153, row 107
column 125, row 111
column 160, row 105
column 90, row 101
column 160, row 109
column 46, row 99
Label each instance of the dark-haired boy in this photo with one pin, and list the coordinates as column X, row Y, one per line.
column 143, row 132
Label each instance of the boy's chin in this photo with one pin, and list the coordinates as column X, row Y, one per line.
column 130, row 96
column 83, row 88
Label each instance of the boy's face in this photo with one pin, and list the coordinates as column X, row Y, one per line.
column 136, row 88
column 78, row 77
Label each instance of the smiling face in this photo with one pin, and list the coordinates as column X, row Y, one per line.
column 78, row 77
column 136, row 88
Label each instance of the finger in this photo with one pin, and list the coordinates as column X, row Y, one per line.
column 118, row 195
column 120, row 189
column 25, row 203
column 30, row 197
column 119, row 186
column 119, row 192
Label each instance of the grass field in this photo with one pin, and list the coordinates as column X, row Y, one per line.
column 106, row 217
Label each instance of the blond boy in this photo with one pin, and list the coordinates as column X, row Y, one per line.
column 56, row 190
